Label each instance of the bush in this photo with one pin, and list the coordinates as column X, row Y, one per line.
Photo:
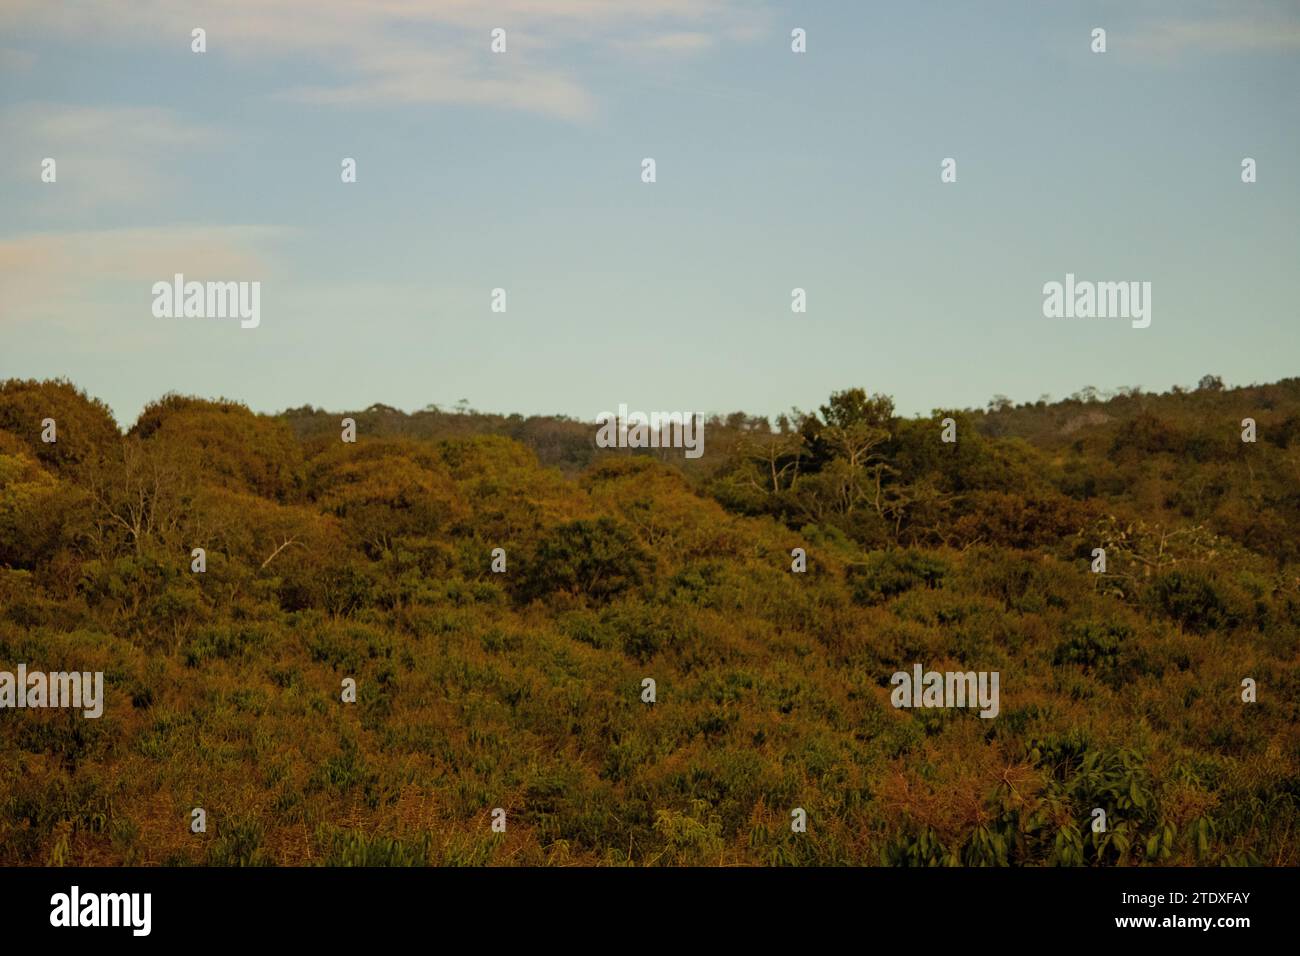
column 1193, row 600
column 593, row 559
column 1092, row 644
column 355, row 848
column 887, row 574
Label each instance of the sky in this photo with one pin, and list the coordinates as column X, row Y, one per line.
column 522, row 170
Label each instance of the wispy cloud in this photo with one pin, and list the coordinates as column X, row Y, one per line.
column 105, row 155
column 678, row 43
column 63, row 277
column 89, row 126
column 16, row 61
column 405, row 51
column 398, row 75
column 1237, row 27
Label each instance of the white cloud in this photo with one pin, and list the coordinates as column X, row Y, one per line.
column 105, row 155
column 413, row 50
column 417, row 76
column 65, row 277
column 144, row 127
column 1240, row 26
column 681, row 43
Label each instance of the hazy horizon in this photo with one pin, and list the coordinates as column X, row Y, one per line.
column 775, row 170
column 125, row 423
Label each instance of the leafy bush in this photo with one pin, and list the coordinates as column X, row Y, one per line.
column 1092, row 644
column 1194, row 600
column 887, row 574
column 593, row 559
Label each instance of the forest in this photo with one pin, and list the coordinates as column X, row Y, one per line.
column 499, row 589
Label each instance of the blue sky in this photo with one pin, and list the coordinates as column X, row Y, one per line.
column 775, row 170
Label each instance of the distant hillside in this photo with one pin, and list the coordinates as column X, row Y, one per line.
column 1052, row 424
column 501, row 592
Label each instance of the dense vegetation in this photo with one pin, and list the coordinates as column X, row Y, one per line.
column 522, row 690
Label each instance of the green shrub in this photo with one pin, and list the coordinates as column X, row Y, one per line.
column 887, row 574
column 593, row 559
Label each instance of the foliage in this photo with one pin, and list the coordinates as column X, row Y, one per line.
column 521, row 690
